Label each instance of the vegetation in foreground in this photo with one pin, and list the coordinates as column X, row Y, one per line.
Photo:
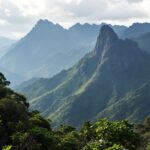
column 24, row 130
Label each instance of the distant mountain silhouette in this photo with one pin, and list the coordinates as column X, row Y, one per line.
column 144, row 41
column 135, row 30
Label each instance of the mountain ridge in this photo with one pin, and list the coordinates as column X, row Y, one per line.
column 104, row 76
column 49, row 49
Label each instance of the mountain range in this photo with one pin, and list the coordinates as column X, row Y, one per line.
column 143, row 41
column 49, row 48
column 135, row 30
column 111, row 81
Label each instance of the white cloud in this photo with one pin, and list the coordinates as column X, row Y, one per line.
column 17, row 16
column 134, row 1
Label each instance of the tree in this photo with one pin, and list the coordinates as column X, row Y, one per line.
column 8, row 147
column 3, row 81
column 108, row 133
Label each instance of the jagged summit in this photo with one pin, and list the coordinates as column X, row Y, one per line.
column 45, row 28
column 47, row 25
column 41, row 26
column 107, row 34
column 44, row 21
column 106, row 38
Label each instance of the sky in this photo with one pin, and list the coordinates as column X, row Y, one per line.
column 17, row 17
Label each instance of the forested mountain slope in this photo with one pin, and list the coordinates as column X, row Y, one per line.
column 99, row 82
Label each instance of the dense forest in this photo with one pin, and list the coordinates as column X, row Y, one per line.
column 21, row 129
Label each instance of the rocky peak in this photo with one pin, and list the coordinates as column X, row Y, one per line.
column 44, row 22
column 106, row 39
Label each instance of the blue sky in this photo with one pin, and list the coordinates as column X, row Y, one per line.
column 17, row 17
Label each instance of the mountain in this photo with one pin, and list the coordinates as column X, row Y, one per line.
column 5, row 43
column 108, row 82
column 143, row 41
column 49, row 48
column 46, row 50
column 135, row 30
column 134, row 104
column 83, row 31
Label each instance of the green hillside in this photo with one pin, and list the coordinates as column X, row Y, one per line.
column 21, row 129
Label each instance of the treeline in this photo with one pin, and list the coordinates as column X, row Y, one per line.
column 24, row 130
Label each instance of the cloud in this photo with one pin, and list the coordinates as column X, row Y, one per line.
column 134, row 1
column 17, row 17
